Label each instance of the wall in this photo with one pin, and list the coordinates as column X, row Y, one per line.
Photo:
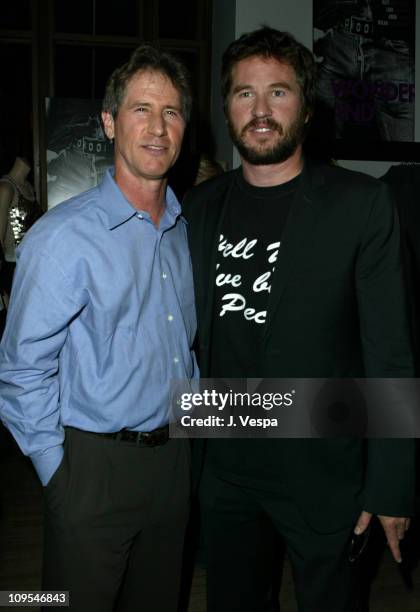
column 224, row 13
column 294, row 16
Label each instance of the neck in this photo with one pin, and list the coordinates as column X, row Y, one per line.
column 144, row 194
column 20, row 170
column 274, row 174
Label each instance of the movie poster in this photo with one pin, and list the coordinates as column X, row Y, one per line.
column 78, row 152
column 365, row 84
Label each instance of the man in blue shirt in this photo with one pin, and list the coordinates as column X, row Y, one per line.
column 101, row 319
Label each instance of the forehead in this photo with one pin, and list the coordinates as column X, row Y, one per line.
column 263, row 70
column 151, row 85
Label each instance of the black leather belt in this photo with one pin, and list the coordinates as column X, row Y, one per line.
column 157, row 437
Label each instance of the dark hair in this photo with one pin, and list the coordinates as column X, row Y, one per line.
column 267, row 42
column 147, row 57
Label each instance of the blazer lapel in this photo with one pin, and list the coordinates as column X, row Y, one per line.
column 300, row 223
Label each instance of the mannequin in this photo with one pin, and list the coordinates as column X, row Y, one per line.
column 18, row 211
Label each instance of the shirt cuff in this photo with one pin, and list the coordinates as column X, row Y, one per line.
column 47, row 463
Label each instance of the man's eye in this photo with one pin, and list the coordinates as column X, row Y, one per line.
column 140, row 109
column 245, row 94
column 171, row 112
column 278, row 93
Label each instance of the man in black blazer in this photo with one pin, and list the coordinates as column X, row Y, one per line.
column 297, row 274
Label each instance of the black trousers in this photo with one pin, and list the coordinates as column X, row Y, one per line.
column 240, row 526
column 115, row 517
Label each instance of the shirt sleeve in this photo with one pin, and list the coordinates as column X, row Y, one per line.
column 41, row 307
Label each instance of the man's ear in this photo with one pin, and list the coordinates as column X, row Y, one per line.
column 309, row 114
column 108, row 121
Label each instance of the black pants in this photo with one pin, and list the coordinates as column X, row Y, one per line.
column 115, row 517
column 240, row 525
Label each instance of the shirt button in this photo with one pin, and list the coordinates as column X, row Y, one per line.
column 164, row 275
column 170, row 318
column 139, row 216
column 176, row 359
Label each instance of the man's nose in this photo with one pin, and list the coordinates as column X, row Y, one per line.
column 261, row 107
column 157, row 125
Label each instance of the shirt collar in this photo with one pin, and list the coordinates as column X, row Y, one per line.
column 173, row 207
column 118, row 209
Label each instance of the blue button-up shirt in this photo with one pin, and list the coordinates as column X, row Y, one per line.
column 101, row 319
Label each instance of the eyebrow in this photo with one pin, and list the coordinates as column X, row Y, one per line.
column 149, row 105
column 139, row 103
column 282, row 84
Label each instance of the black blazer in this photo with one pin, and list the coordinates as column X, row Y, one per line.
column 336, row 309
column 404, row 181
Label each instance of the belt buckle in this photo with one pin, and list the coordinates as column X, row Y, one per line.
column 361, row 27
column 146, row 438
column 94, row 146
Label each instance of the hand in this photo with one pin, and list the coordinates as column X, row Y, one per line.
column 393, row 526
column 5, row 299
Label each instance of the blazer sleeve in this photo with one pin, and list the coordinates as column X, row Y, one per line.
column 387, row 353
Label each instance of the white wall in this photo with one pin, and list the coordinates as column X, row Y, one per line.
column 295, row 16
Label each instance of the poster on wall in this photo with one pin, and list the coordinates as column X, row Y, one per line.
column 365, row 85
column 78, row 152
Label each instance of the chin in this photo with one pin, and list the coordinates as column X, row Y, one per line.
column 159, row 171
column 262, row 146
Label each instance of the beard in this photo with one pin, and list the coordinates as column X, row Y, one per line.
column 284, row 148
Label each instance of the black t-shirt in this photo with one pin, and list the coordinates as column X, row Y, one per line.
column 249, row 247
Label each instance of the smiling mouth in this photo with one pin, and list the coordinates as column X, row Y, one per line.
column 262, row 126
column 155, row 147
column 155, row 150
